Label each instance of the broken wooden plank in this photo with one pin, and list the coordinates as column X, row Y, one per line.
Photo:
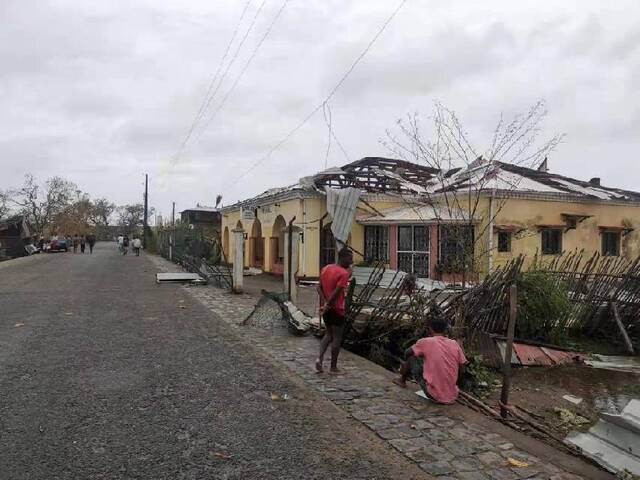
column 623, row 331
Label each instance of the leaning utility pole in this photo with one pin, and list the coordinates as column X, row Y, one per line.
column 172, row 237
column 146, row 212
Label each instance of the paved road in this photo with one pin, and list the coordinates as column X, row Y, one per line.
column 106, row 375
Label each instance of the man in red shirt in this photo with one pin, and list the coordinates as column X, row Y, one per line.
column 436, row 363
column 334, row 280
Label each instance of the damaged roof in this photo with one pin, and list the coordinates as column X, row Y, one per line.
column 505, row 177
column 388, row 175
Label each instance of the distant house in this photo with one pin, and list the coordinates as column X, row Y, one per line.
column 419, row 220
column 207, row 218
column 14, row 235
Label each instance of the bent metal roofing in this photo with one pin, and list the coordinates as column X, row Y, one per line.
column 386, row 175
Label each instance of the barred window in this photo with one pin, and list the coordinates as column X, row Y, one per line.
column 376, row 243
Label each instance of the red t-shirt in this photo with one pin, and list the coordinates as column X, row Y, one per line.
column 441, row 359
column 333, row 276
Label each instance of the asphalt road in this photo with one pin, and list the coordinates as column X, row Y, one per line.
column 106, row 375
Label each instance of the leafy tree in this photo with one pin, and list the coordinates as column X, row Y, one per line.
column 101, row 211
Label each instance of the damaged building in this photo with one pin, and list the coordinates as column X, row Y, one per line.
column 435, row 224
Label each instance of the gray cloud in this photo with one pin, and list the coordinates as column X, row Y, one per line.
column 102, row 92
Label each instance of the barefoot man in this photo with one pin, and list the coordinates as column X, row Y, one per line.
column 334, row 280
column 436, row 363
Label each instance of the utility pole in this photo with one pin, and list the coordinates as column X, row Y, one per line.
column 173, row 230
column 146, row 211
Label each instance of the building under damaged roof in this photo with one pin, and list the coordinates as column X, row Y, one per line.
column 419, row 219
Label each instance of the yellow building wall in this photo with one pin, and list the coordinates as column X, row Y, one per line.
column 530, row 213
column 307, row 213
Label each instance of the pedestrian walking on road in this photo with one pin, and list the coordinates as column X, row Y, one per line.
column 76, row 242
column 91, row 240
column 137, row 244
column 83, row 241
column 125, row 244
column 334, row 280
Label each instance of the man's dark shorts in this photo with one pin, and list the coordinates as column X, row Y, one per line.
column 333, row 318
column 415, row 367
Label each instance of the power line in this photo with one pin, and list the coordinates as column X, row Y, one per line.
column 213, row 81
column 326, row 99
column 244, row 69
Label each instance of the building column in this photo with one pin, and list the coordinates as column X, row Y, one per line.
column 291, row 262
column 238, row 259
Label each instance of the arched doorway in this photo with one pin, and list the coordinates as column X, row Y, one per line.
column 256, row 244
column 276, row 245
column 225, row 244
column 327, row 246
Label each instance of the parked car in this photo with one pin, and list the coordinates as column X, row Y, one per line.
column 58, row 244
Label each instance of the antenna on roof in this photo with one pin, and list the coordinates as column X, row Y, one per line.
column 544, row 166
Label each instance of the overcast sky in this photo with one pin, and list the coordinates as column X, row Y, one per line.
column 103, row 92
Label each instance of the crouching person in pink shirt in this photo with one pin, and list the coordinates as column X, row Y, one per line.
column 436, row 363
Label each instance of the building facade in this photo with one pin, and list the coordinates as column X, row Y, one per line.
column 439, row 226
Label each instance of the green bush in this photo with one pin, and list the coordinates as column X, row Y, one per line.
column 543, row 308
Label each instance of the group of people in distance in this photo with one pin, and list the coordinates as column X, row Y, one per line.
column 123, row 244
column 435, row 362
column 81, row 242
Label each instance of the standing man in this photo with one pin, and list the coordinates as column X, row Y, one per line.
column 436, row 364
column 91, row 240
column 76, row 242
column 136, row 245
column 334, row 280
column 83, row 242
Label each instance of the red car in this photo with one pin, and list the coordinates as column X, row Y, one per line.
column 57, row 244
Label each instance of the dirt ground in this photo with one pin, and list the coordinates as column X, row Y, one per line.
column 541, row 390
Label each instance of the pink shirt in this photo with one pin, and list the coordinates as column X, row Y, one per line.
column 442, row 358
column 333, row 276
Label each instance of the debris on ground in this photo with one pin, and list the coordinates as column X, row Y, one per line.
column 567, row 418
column 280, row 398
column 19, row 325
column 517, row 463
column 613, row 442
column 573, row 399
column 180, row 277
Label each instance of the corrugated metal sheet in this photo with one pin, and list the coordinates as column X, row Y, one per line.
column 341, row 206
column 532, row 355
column 613, row 442
column 362, row 274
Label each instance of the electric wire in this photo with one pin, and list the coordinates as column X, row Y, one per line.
column 208, row 94
column 244, row 69
column 326, row 99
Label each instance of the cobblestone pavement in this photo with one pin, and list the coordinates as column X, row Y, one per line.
column 441, row 443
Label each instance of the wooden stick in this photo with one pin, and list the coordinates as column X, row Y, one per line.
column 478, row 403
column 623, row 331
column 506, row 364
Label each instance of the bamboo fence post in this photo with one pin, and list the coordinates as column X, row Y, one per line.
column 506, row 364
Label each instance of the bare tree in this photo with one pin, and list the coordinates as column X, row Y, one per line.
column 41, row 205
column 4, row 204
column 466, row 173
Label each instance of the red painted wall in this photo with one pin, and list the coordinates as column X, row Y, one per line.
column 393, row 247
column 433, row 251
